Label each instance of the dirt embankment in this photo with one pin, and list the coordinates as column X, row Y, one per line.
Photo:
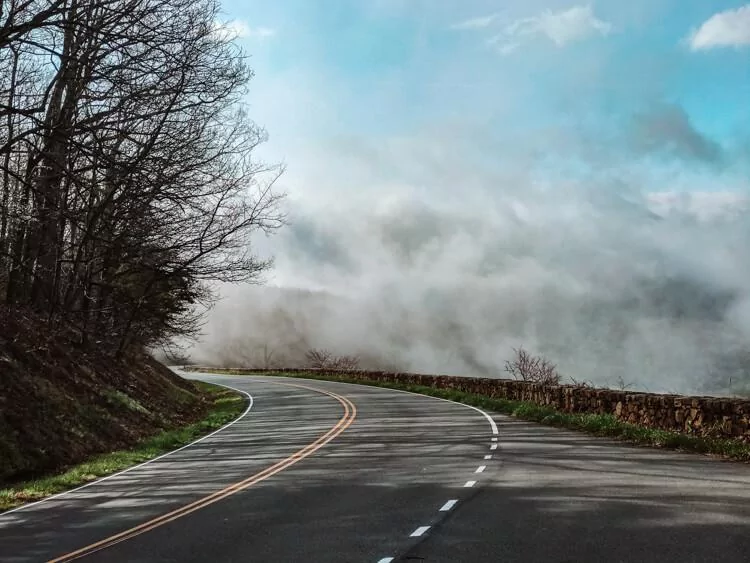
column 60, row 403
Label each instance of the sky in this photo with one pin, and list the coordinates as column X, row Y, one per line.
column 661, row 84
column 494, row 168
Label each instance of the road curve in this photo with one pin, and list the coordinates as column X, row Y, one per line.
column 328, row 472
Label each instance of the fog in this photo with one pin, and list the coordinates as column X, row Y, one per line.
column 569, row 178
column 436, row 267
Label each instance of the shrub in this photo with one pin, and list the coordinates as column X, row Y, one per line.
column 536, row 369
column 325, row 359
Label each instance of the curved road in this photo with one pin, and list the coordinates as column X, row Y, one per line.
column 328, row 472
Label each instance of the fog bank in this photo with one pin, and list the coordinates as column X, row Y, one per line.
column 609, row 284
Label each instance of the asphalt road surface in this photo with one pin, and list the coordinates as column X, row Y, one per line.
column 327, row 472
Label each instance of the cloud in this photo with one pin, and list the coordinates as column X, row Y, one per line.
column 443, row 263
column 562, row 28
column 667, row 128
column 704, row 206
column 523, row 221
column 241, row 29
column 730, row 28
column 476, row 23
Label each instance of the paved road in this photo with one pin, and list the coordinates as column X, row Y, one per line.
column 367, row 474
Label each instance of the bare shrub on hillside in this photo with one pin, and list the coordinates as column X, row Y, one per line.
column 325, row 359
column 536, row 369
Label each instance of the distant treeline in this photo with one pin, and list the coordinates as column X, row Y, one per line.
column 126, row 183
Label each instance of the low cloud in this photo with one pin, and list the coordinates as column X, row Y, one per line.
column 607, row 282
column 730, row 28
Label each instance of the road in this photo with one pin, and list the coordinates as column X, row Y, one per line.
column 328, row 472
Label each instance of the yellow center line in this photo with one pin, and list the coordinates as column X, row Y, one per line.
column 350, row 413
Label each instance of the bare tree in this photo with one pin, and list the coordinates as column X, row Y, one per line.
column 536, row 369
column 325, row 359
column 127, row 179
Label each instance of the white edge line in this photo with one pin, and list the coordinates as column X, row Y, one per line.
column 162, row 456
column 470, row 483
column 480, row 411
column 448, row 505
column 419, row 531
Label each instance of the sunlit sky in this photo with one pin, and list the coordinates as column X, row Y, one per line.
column 654, row 93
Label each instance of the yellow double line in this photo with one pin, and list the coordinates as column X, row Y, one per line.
column 350, row 413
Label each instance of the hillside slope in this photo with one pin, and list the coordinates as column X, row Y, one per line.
column 60, row 404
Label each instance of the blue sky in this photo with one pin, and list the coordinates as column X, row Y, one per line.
column 654, row 89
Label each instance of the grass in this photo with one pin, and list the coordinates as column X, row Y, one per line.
column 227, row 405
column 604, row 425
column 118, row 397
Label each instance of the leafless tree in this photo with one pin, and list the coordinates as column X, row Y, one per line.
column 128, row 183
column 325, row 359
column 536, row 369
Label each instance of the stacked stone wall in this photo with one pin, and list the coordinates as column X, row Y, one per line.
column 713, row 416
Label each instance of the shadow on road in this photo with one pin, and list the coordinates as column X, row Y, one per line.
column 547, row 495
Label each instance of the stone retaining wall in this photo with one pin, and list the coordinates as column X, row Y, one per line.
column 693, row 415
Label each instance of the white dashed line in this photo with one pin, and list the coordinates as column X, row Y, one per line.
column 448, row 505
column 480, row 469
column 451, row 503
column 419, row 531
column 488, row 456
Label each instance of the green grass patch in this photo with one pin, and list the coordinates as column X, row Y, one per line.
column 604, row 425
column 227, row 405
column 119, row 398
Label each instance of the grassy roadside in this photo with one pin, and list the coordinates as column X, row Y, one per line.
column 603, row 425
column 227, row 405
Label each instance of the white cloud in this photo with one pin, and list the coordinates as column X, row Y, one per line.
column 476, row 23
column 571, row 25
column 703, row 205
column 730, row 28
column 564, row 27
column 241, row 29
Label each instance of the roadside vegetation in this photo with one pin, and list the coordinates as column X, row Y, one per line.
column 225, row 406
